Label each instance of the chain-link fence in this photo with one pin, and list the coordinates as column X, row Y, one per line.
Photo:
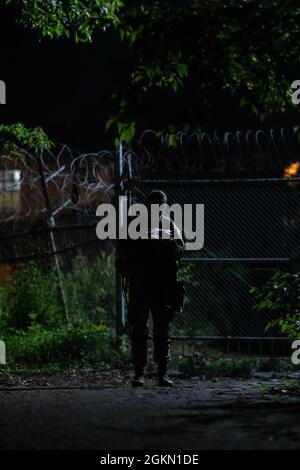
column 251, row 221
column 49, row 251
column 251, row 228
column 48, row 217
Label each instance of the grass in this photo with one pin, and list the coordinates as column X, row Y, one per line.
column 197, row 361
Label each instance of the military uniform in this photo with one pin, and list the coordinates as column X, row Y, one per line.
column 153, row 266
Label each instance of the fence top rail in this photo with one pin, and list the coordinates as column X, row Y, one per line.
column 235, row 260
column 232, row 338
column 174, row 182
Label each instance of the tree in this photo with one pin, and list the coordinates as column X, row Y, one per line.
column 239, row 47
column 71, row 18
column 17, row 137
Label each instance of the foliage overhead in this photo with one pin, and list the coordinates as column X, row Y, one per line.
column 16, row 136
column 242, row 48
column 58, row 18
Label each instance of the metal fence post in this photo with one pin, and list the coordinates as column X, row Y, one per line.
column 51, row 223
column 120, row 301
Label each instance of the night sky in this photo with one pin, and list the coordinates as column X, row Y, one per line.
column 66, row 88
column 61, row 86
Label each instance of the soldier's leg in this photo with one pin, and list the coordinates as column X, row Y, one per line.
column 138, row 319
column 161, row 337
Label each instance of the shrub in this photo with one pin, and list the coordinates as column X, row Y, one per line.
column 29, row 297
column 221, row 366
column 90, row 289
column 66, row 345
column 33, row 324
column 281, row 295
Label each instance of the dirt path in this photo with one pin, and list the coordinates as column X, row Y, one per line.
column 108, row 414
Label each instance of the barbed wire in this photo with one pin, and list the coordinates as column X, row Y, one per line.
column 202, row 152
column 54, row 192
column 75, row 183
column 67, row 186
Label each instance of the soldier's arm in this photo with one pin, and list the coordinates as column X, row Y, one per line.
column 176, row 243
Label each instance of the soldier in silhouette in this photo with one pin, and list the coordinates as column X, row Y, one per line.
column 151, row 268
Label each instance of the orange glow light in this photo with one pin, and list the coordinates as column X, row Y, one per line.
column 292, row 170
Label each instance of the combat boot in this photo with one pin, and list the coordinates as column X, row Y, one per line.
column 138, row 380
column 165, row 381
column 163, row 378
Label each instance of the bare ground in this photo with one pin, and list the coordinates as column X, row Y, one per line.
column 102, row 411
